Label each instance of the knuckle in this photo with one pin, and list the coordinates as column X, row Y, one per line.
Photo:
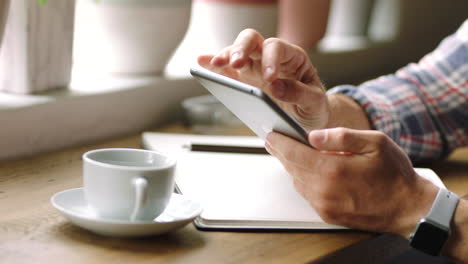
column 326, row 211
column 328, row 217
column 300, row 63
column 249, row 32
column 276, row 44
column 273, row 41
column 341, row 135
column 380, row 139
column 225, row 51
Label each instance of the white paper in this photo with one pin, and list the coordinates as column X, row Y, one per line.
column 238, row 187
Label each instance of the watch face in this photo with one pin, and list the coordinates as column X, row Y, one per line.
column 429, row 238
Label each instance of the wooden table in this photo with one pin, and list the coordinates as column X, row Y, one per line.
column 32, row 231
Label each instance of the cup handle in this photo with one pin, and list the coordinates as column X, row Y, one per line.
column 140, row 185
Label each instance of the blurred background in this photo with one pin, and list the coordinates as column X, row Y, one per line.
column 101, row 69
column 348, row 41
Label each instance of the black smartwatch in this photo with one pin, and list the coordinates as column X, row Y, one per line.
column 433, row 231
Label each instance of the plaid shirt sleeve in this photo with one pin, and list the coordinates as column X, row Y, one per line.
column 423, row 107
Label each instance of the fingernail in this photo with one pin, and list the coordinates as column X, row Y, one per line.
column 216, row 60
column 235, row 56
column 212, row 61
column 268, row 72
column 319, row 136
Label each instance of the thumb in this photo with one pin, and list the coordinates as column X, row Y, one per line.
column 347, row 140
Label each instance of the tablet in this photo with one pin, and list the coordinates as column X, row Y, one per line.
column 251, row 105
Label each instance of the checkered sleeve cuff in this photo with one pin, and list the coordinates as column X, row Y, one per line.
column 396, row 111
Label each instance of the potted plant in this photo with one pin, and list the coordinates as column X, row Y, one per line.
column 129, row 36
column 36, row 54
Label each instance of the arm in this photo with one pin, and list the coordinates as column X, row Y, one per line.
column 374, row 188
column 457, row 245
column 380, row 170
column 424, row 106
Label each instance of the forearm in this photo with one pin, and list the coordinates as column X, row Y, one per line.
column 395, row 108
column 457, row 245
column 418, row 203
column 423, row 106
column 345, row 112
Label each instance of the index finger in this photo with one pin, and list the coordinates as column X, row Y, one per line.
column 248, row 44
column 283, row 60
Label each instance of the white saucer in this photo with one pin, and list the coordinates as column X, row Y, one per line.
column 179, row 212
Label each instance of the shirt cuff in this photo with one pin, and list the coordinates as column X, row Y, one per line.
column 378, row 108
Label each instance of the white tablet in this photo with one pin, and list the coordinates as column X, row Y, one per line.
column 251, row 105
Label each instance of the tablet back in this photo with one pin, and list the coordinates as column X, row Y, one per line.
column 252, row 106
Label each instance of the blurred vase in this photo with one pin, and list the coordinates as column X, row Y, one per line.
column 129, row 36
column 226, row 18
column 351, row 18
column 348, row 24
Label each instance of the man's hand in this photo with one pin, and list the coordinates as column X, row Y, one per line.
column 360, row 179
column 280, row 69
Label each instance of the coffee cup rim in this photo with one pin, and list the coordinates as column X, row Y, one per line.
column 171, row 162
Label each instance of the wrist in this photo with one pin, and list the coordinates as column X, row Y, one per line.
column 418, row 206
column 457, row 244
column 345, row 112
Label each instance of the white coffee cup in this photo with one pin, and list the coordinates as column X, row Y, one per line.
column 128, row 184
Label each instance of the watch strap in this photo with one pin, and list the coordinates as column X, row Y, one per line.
column 443, row 208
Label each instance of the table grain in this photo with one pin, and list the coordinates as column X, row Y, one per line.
column 32, row 231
